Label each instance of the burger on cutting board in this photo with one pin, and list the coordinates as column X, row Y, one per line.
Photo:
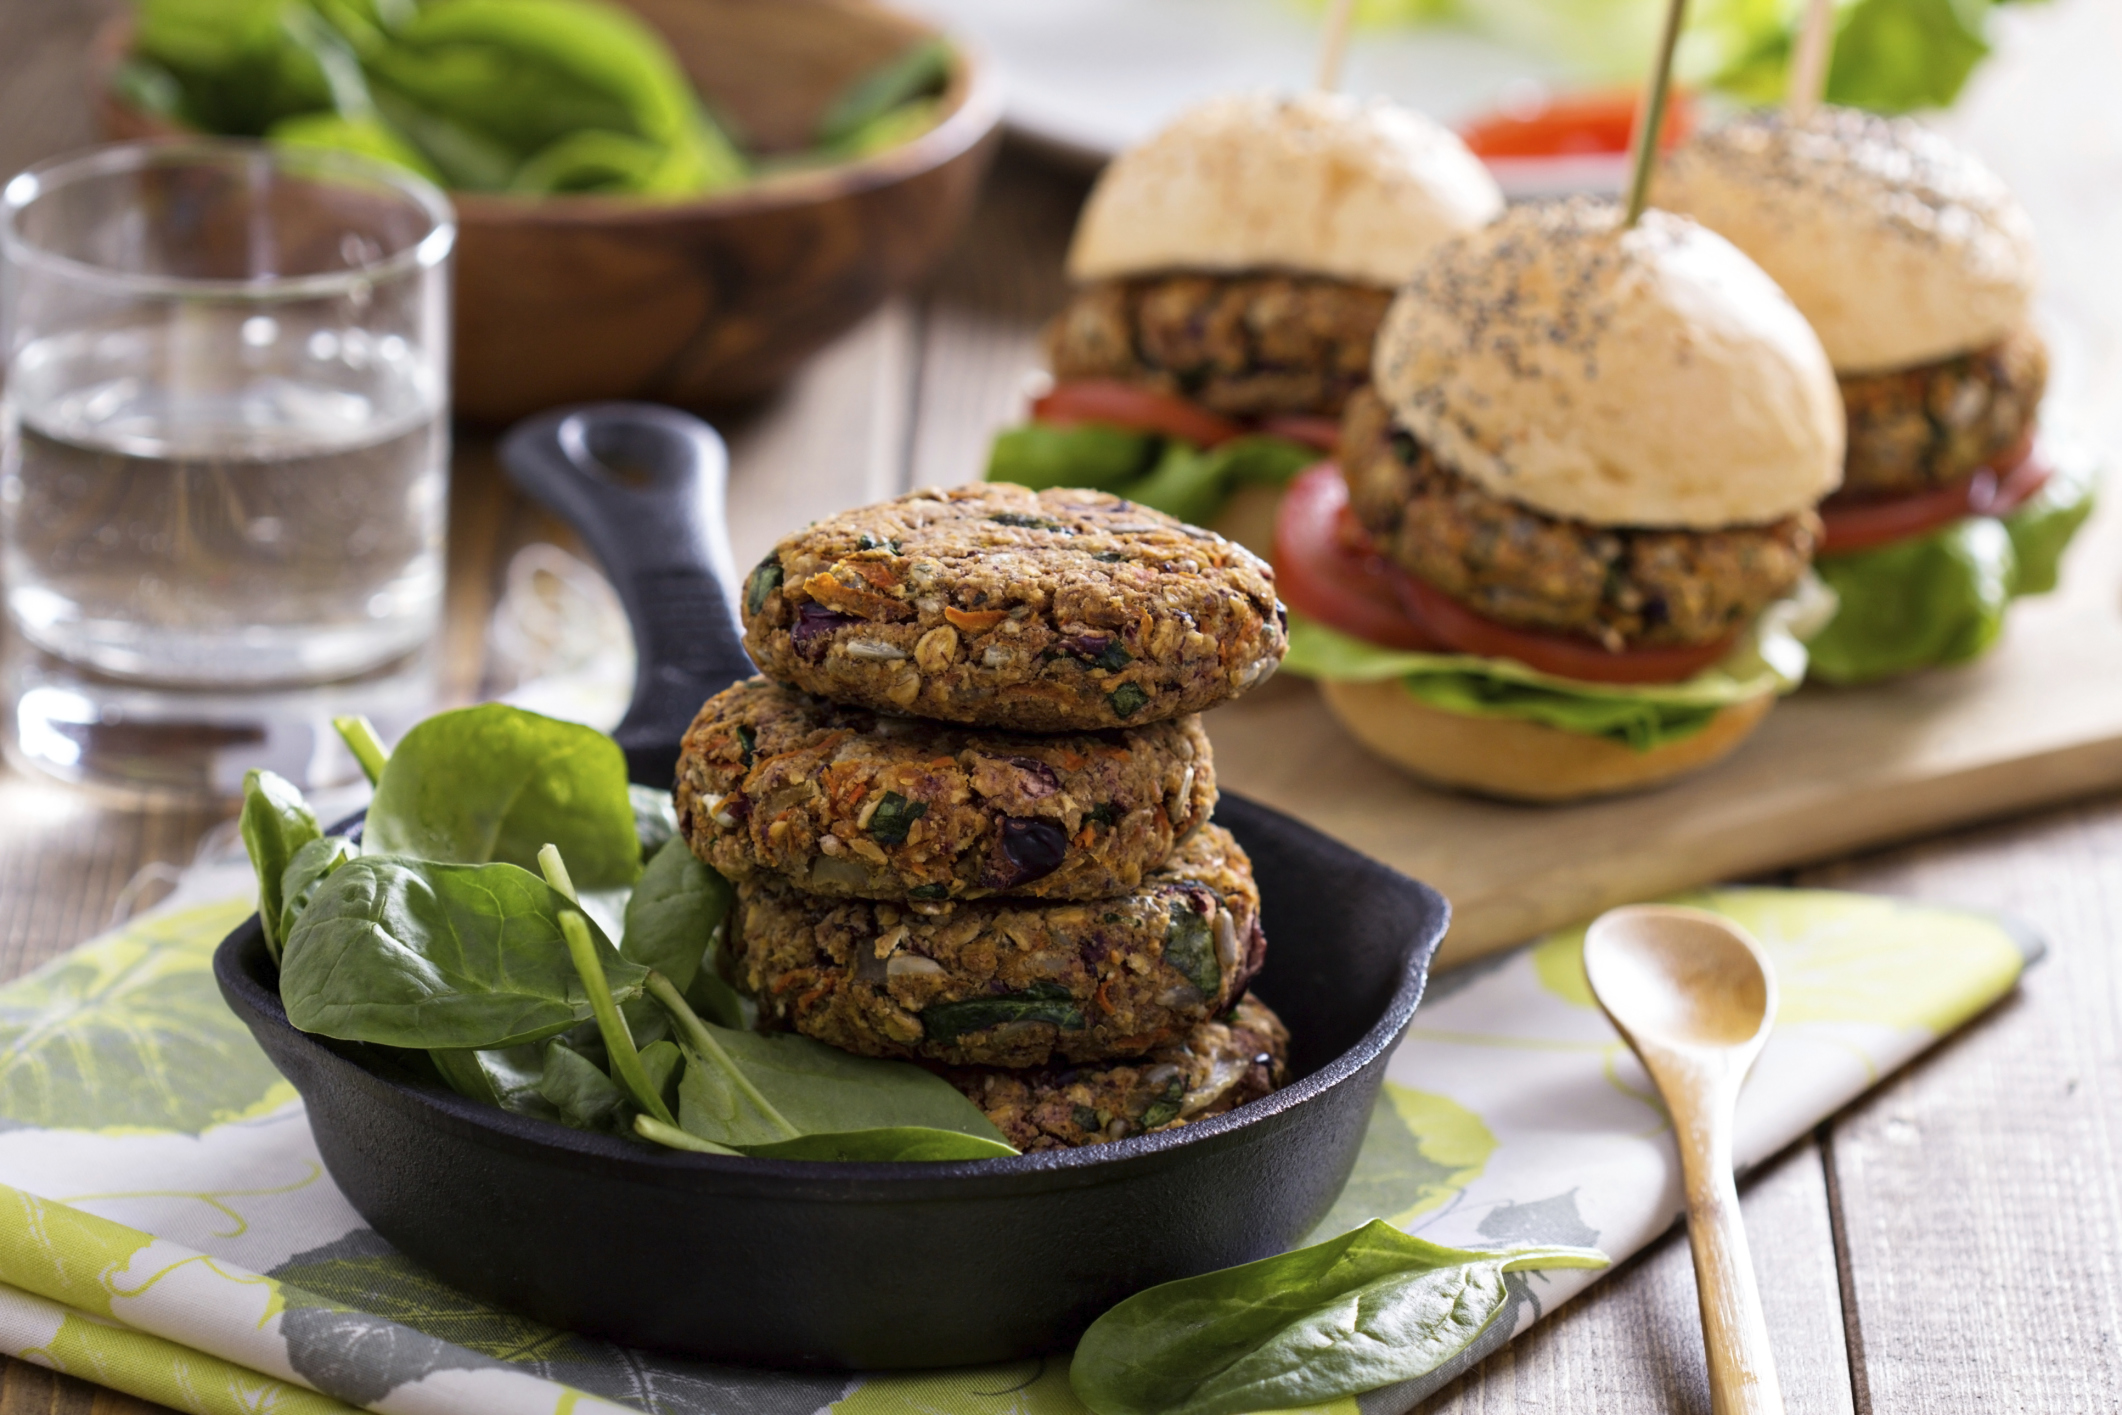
column 1229, row 276
column 1917, row 268
column 1566, row 550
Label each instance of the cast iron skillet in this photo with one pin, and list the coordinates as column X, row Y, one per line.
column 852, row 1265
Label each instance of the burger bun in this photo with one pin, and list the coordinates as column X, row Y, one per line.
column 1644, row 376
column 1898, row 245
column 1524, row 761
column 1314, row 183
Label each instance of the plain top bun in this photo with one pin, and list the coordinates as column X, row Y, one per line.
column 1643, row 377
column 1318, row 183
column 1899, row 246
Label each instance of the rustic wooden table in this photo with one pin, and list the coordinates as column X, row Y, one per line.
column 1953, row 1242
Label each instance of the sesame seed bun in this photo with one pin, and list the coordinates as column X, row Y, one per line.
column 1650, row 377
column 1524, row 761
column 1899, row 246
column 1314, row 183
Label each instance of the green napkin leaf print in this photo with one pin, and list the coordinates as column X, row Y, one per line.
column 130, row 1033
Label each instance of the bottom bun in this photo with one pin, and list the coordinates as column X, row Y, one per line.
column 1523, row 761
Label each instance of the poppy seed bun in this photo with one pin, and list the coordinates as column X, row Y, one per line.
column 1524, row 761
column 1899, row 246
column 1650, row 377
column 1316, row 183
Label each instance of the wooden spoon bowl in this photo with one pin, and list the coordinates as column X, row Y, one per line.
column 717, row 299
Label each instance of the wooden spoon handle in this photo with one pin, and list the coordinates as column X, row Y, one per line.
column 1742, row 1368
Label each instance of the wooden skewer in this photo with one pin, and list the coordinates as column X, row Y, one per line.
column 1650, row 115
column 1808, row 68
column 1333, row 46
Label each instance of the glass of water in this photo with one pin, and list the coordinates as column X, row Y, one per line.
column 225, row 482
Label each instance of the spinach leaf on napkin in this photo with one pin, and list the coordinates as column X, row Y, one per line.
column 1368, row 1309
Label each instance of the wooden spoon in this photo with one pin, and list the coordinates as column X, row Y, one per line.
column 1694, row 996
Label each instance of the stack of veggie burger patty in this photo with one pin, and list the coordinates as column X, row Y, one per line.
column 1917, row 267
column 1230, row 275
column 967, row 807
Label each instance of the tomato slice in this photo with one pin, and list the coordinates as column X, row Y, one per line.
column 1860, row 525
column 1321, row 433
column 1104, row 400
column 1563, row 655
column 1572, row 124
column 1995, row 490
column 1323, row 571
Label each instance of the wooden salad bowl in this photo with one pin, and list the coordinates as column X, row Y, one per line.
column 852, row 1265
column 713, row 300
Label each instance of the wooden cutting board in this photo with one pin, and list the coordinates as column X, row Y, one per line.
column 1832, row 770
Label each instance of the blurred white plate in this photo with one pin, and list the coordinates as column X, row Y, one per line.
column 1086, row 78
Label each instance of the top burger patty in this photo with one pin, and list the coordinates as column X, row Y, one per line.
column 1930, row 426
column 1240, row 345
column 1618, row 585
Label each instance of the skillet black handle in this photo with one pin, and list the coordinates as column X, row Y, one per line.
column 643, row 486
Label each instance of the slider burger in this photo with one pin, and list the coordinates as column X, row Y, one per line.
column 1917, row 268
column 1566, row 550
column 1229, row 276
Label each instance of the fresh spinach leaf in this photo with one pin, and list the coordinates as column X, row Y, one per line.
column 619, row 1049
column 664, row 1065
column 1368, row 1309
column 585, row 1097
column 744, row 1089
column 1041, row 1002
column 299, row 881
column 673, row 914
column 507, row 1077
column 899, row 1142
column 671, row 1137
column 421, row 955
column 276, row 823
column 495, row 783
column 360, row 737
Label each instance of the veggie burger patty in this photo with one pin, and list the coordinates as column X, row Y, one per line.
column 1618, row 585
column 1220, row 1065
column 1241, row 345
column 849, row 802
column 1055, row 611
column 1003, row 982
column 1936, row 424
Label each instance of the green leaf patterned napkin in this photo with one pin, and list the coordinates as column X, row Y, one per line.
column 166, row 1227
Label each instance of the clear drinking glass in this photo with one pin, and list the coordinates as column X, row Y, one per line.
column 226, row 456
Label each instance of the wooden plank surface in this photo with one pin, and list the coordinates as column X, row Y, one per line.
column 1632, row 1342
column 1975, row 1194
column 1981, row 1190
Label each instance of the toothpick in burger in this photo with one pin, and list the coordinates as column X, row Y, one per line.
column 1917, row 268
column 1566, row 550
column 1230, row 274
